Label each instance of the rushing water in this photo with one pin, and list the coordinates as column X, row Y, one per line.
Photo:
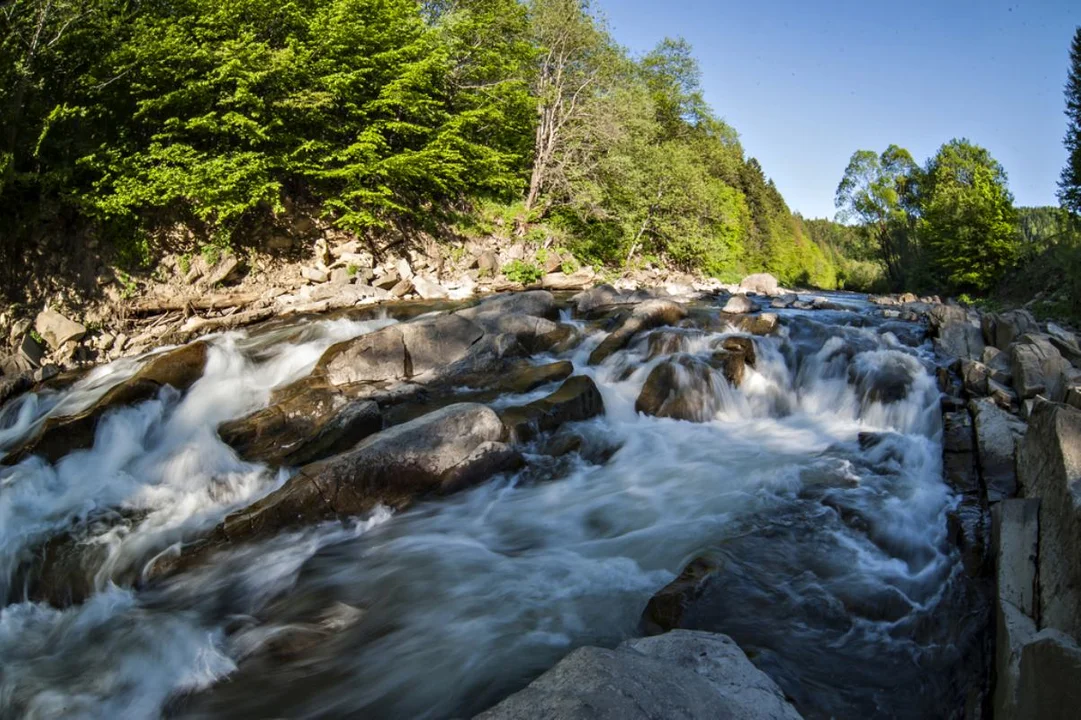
column 842, row 581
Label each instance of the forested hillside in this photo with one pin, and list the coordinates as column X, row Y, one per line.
column 135, row 127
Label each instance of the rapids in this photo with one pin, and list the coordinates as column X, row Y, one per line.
column 824, row 498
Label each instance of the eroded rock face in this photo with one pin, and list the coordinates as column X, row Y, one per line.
column 178, row 368
column 576, row 399
column 683, row 674
column 646, row 316
column 1038, row 368
column 1049, row 467
column 314, row 423
column 441, row 452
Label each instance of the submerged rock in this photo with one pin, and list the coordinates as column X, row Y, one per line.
column 682, row 388
column 577, row 399
column 684, row 674
column 178, row 368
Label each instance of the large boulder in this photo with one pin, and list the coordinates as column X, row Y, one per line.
column 444, row 451
column 1050, row 686
column 1065, row 342
column 684, row 674
column 1038, row 368
column 535, row 334
column 1049, row 468
column 1003, row 329
column 576, row 399
column 539, row 303
column 761, row 283
column 178, row 368
column 57, row 330
column 739, row 304
column 399, row 352
column 606, row 296
column 311, row 424
column 998, row 434
column 646, row 316
column 680, row 387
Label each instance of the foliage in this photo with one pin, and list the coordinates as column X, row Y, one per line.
column 968, row 222
column 519, row 271
column 1070, row 181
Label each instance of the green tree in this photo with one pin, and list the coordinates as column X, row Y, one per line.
column 879, row 192
column 1070, row 183
column 968, row 224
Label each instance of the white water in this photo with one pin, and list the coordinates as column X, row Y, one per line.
column 467, row 598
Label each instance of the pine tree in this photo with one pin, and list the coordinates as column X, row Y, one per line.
column 1069, row 193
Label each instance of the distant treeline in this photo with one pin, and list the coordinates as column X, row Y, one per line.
column 124, row 121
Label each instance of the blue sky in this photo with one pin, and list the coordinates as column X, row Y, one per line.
column 807, row 83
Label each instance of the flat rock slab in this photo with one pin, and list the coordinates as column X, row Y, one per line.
column 684, row 674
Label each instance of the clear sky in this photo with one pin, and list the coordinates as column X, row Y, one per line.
column 807, row 83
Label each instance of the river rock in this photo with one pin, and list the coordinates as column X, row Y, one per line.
column 399, row 352
column 684, row 674
column 1050, row 684
column 57, row 330
column 388, row 281
column 599, row 297
column 960, row 339
column 11, row 386
column 680, row 387
column 444, row 451
column 761, row 283
column 538, row 303
column 429, row 289
column 224, row 271
column 1002, row 329
column 669, row 341
column 756, row 324
column 179, row 368
column 739, row 304
column 576, row 399
column 646, row 316
column 1065, row 342
column 1038, row 368
column 998, row 434
column 784, row 301
column 488, row 263
column 1049, row 467
column 314, row 274
column 536, row 334
column 310, row 425
column 562, row 281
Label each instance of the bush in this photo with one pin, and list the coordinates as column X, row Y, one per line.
column 522, row 272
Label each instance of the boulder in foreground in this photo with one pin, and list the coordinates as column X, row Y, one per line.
column 683, row 674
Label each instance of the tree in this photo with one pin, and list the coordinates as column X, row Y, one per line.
column 1069, row 193
column 968, row 223
column 574, row 49
column 879, row 192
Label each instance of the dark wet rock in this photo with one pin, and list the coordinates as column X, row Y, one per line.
column 665, row 609
column 743, row 346
column 646, row 316
column 1049, row 467
column 178, row 368
column 739, row 304
column 12, row 386
column 577, row 399
column 689, row 675
column 757, row 324
column 1050, row 682
column 681, row 387
column 314, row 423
column 668, row 341
column 442, row 452
column 886, row 382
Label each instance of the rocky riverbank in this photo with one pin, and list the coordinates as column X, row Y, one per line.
column 432, row 400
